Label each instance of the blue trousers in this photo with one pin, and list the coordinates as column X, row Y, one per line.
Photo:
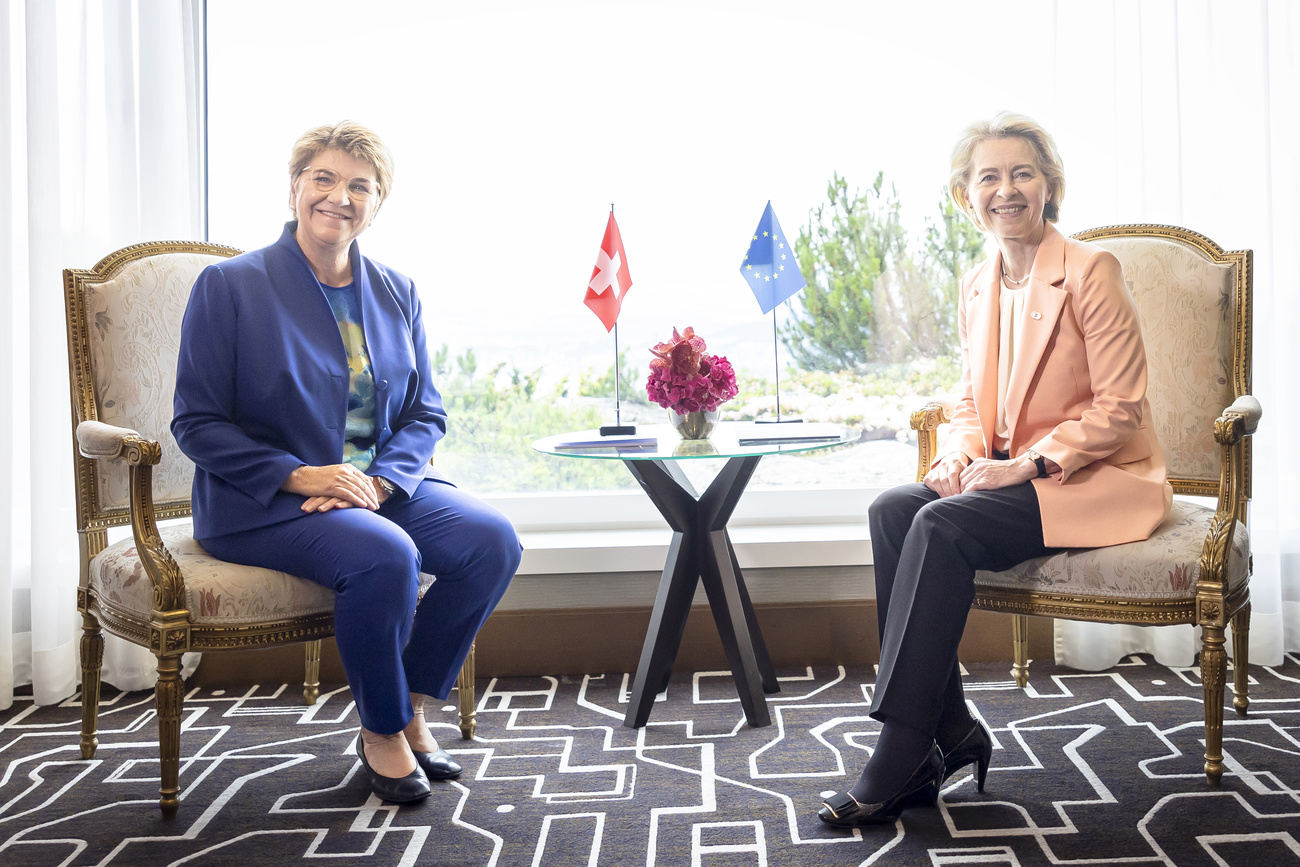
column 372, row 560
column 926, row 550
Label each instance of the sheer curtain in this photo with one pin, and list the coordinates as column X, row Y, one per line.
column 1198, row 101
column 100, row 133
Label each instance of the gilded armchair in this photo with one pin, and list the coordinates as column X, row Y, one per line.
column 159, row 588
column 1194, row 300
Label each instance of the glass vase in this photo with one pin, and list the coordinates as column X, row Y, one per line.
column 693, row 425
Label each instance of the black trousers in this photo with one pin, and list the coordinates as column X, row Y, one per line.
column 927, row 550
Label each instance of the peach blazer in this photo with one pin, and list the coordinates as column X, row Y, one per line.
column 1077, row 394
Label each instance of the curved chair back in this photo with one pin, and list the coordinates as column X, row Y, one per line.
column 1194, row 302
column 124, row 323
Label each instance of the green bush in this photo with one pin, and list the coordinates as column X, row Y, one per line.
column 492, row 421
column 873, row 296
column 631, row 382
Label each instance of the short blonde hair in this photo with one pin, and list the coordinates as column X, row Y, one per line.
column 1007, row 124
column 352, row 139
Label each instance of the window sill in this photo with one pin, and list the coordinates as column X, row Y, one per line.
column 645, row 549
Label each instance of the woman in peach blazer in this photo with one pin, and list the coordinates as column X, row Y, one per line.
column 1076, row 395
column 1048, row 448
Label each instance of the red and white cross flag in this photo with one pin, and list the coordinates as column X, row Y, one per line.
column 610, row 279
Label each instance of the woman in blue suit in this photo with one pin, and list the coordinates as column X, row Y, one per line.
column 305, row 398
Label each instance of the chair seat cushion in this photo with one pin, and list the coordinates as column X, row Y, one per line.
column 1165, row 566
column 217, row 593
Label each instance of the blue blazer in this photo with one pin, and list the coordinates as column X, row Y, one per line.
column 262, row 383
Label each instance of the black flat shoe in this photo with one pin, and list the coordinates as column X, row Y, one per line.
column 976, row 747
column 400, row 790
column 438, row 765
column 842, row 810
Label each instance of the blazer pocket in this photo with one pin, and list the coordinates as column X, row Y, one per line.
column 1136, row 449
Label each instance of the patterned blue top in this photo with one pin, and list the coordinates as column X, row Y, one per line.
column 359, row 435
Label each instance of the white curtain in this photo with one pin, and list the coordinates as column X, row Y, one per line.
column 1199, row 100
column 101, row 133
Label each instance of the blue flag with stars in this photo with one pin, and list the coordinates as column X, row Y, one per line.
column 770, row 267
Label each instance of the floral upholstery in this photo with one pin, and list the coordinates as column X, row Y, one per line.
column 217, row 593
column 135, row 329
column 1166, row 566
column 1188, row 321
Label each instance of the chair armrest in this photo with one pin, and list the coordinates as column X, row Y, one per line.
column 1248, row 409
column 1238, row 421
column 95, row 439
column 926, row 421
column 99, row 441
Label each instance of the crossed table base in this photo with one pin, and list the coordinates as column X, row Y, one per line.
column 701, row 549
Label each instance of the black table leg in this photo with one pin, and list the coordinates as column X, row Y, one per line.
column 756, row 635
column 701, row 548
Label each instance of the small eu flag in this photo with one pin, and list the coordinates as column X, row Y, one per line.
column 770, row 267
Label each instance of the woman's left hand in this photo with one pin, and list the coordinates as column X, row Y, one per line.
column 988, row 475
column 325, row 504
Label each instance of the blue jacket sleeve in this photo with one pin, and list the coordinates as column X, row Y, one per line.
column 205, row 421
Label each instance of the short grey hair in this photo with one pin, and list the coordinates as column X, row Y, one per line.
column 350, row 138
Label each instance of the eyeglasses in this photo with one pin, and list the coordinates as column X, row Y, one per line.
column 325, row 180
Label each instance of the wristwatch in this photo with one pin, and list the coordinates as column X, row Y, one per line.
column 388, row 486
column 1038, row 462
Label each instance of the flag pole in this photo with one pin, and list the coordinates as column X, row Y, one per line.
column 617, row 428
column 776, row 363
column 618, row 407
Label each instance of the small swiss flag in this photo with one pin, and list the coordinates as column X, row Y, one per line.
column 610, row 279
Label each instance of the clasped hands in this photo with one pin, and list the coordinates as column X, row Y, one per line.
column 336, row 486
column 956, row 474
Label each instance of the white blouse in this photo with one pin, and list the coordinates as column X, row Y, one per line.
column 1011, row 305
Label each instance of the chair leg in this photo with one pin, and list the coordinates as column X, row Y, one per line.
column 1241, row 660
column 311, row 678
column 92, row 662
column 1020, row 647
column 1214, row 667
column 465, row 697
column 169, row 695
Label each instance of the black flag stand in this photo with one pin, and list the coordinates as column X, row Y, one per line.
column 617, row 428
column 777, row 363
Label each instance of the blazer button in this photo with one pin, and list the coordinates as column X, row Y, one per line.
column 383, row 384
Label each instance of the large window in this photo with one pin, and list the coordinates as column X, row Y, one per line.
column 516, row 124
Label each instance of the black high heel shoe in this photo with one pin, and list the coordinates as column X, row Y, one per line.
column 400, row 790
column 976, row 747
column 437, row 765
column 842, row 810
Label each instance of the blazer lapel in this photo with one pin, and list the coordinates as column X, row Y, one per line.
column 1043, row 303
column 982, row 340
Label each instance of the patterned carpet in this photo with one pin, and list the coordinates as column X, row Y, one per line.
column 1088, row 769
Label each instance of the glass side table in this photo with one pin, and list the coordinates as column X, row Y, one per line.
column 701, row 548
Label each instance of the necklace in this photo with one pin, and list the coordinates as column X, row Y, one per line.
column 1013, row 282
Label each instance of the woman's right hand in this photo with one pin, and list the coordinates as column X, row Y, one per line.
column 944, row 477
column 323, row 486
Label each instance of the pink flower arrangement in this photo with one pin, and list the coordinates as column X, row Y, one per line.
column 684, row 379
